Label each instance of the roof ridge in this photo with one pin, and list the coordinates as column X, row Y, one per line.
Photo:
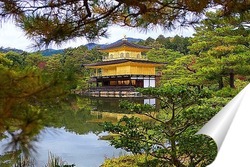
column 122, row 42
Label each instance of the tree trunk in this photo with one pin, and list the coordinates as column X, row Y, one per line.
column 175, row 160
column 221, row 85
column 231, row 79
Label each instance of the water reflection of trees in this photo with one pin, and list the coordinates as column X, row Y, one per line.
column 73, row 114
column 22, row 121
column 105, row 104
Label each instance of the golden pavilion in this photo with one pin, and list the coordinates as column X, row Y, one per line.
column 122, row 70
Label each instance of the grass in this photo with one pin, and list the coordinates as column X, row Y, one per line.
column 8, row 160
column 56, row 161
column 131, row 160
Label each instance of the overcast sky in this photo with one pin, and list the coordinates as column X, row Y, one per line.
column 12, row 36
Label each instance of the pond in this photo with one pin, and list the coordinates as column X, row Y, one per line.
column 72, row 131
column 82, row 150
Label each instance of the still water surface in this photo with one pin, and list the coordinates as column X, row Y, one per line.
column 82, row 150
column 71, row 131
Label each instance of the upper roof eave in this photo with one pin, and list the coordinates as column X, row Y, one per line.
column 119, row 61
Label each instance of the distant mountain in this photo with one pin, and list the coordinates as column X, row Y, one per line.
column 50, row 52
column 94, row 45
column 47, row 52
column 135, row 40
column 5, row 50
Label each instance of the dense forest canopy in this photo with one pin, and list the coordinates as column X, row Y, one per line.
column 61, row 20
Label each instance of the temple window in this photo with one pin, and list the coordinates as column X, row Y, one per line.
column 127, row 54
column 133, row 82
column 122, row 55
column 126, row 82
column 113, row 83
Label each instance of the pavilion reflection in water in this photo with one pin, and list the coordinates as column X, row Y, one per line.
column 108, row 108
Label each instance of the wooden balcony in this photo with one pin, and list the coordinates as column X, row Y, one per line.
column 113, row 91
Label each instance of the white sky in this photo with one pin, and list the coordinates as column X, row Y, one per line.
column 13, row 37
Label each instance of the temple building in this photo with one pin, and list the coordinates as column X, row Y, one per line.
column 122, row 70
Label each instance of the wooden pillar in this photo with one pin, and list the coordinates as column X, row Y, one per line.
column 96, row 71
column 116, row 81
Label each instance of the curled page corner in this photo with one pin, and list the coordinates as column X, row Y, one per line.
column 230, row 130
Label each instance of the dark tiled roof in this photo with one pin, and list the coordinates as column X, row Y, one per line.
column 121, row 43
column 119, row 61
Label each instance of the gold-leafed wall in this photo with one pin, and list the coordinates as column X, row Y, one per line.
column 124, row 55
column 129, row 69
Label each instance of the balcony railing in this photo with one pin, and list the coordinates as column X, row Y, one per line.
column 113, row 91
column 109, row 58
column 112, row 88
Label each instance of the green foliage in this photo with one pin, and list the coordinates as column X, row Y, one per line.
column 131, row 160
column 132, row 130
column 169, row 134
column 170, row 44
column 18, row 60
column 175, row 43
column 27, row 91
column 73, row 62
column 163, row 55
column 226, row 92
column 8, row 160
column 198, row 146
column 55, row 161
column 135, row 107
column 222, row 50
column 183, row 70
column 218, row 55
